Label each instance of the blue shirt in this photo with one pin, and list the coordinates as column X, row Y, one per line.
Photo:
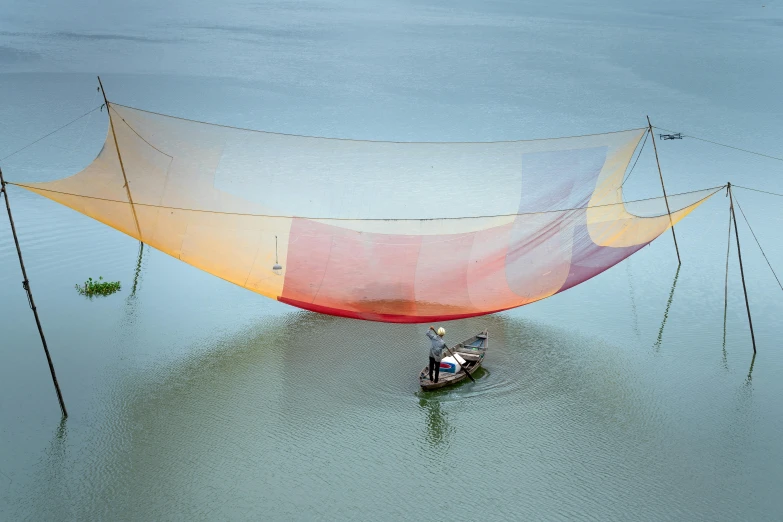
column 438, row 346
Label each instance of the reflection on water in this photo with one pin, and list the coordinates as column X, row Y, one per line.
column 438, row 428
column 137, row 273
column 634, row 314
column 750, row 370
column 54, row 485
column 127, row 328
column 658, row 341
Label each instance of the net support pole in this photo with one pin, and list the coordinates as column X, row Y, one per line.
column 666, row 199
column 122, row 166
column 26, row 286
column 742, row 272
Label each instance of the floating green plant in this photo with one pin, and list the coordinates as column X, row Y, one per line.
column 92, row 287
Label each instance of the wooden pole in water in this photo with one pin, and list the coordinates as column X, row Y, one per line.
column 742, row 272
column 26, row 286
column 119, row 155
column 666, row 199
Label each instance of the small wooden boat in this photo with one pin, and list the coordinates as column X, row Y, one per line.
column 472, row 351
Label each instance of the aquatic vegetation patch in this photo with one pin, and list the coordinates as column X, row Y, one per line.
column 93, row 287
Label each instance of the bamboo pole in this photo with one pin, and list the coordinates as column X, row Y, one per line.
column 122, row 166
column 742, row 272
column 726, row 290
column 666, row 199
column 26, row 286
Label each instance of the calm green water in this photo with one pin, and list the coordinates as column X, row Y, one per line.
column 192, row 399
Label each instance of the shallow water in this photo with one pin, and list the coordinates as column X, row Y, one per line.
column 190, row 398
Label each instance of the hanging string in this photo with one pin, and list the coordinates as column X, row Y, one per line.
column 724, row 145
column 757, row 190
column 54, row 131
column 139, row 135
column 759, row 244
column 646, row 135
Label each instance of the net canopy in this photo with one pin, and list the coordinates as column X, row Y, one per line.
column 383, row 231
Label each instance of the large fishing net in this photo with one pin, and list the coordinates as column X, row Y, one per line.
column 398, row 232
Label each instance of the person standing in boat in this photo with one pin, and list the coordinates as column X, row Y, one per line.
column 436, row 350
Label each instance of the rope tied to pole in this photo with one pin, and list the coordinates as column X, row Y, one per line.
column 757, row 190
column 758, row 243
column 47, row 135
column 26, row 286
column 724, row 145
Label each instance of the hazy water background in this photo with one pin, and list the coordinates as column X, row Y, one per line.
column 191, row 398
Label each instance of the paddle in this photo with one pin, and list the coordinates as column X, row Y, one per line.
column 464, row 368
column 457, row 360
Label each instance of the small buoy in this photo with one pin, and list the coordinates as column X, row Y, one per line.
column 277, row 268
